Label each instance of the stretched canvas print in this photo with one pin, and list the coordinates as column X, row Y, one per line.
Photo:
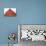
column 10, row 11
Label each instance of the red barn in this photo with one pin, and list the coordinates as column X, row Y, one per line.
column 10, row 12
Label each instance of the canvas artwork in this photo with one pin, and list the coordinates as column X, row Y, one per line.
column 9, row 11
